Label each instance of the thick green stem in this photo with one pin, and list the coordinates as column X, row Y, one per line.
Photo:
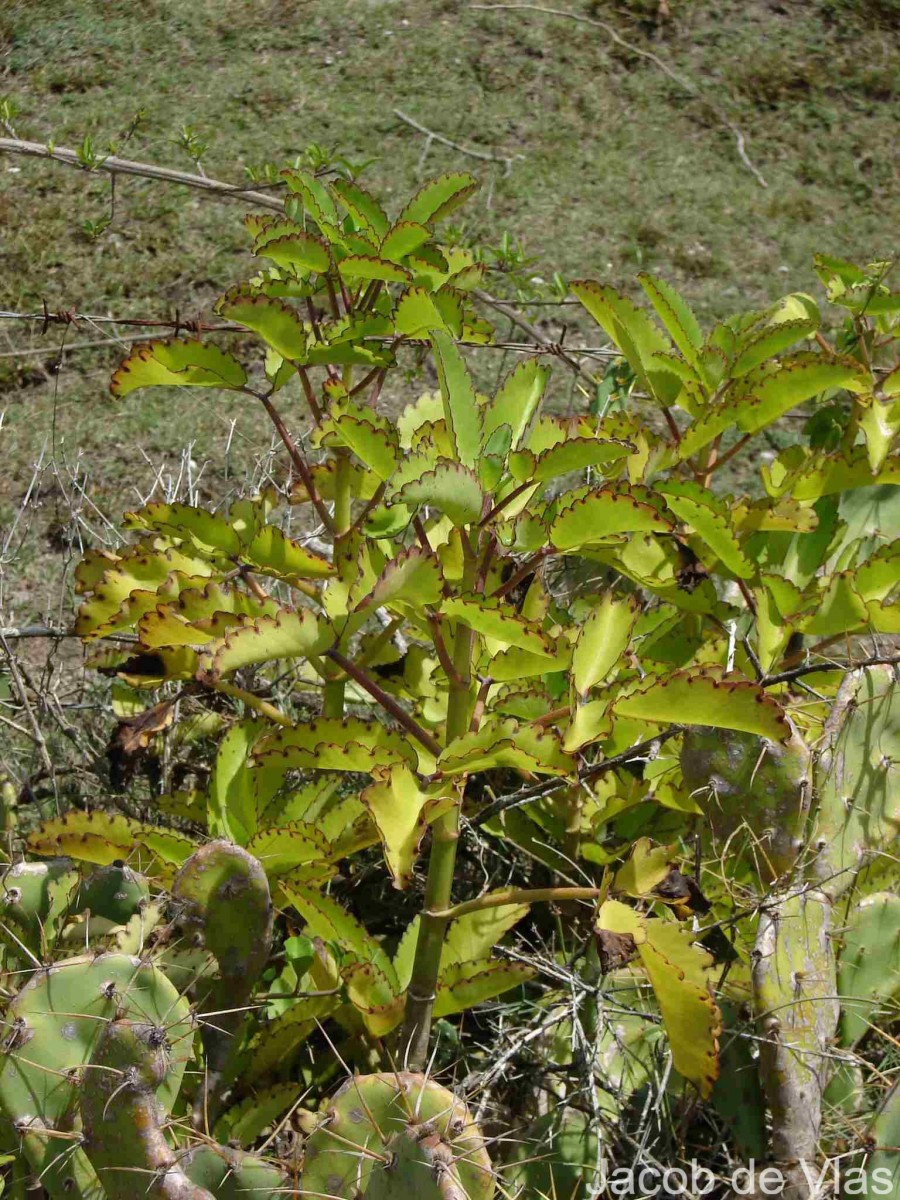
column 333, row 692
column 441, row 865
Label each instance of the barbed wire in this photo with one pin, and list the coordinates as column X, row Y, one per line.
column 178, row 324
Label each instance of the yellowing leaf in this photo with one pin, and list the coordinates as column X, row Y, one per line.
column 401, row 812
column 134, row 585
column 647, row 867
column 505, row 744
column 210, row 533
column 450, row 488
column 473, row 935
column 493, row 621
column 333, row 744
column 376, row 448
column 677, row 970
column 375, row 996
column 417, row 315
column 879, row 423
column 827, row 474
column 839, row 609
column 704, row 698
column 273, row 553
column 411, row 579
column 516, row 663
column 587, row 724
column 292, row 634
column 762, row 401
column 104, row 838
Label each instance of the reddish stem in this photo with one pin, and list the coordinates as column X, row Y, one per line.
column 387, row 702
column 300, row 464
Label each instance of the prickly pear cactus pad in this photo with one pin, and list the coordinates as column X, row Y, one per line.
column 857, row 776
column 124, row 1122
column 57, row 1017
column 357, row 1128
column 794, row 983
column 869, row 974
column 222, row 903
column 222, row 896
column 743, row 780
column 232, row 1175
column 53, row 1026
column 26, row 898
column 125, row 1128
column 416, row 1169
column 114, row 893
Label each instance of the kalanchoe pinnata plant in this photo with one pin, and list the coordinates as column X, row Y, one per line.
column 406, row 655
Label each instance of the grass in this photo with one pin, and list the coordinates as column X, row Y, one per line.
column 614, row 167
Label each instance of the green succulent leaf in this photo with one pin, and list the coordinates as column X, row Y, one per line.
column 326, row 919
column 290, row 634
column 295, row 251
column 178, row 362
column 675, row 313
column 461, row 410
column 517, row 400
column 276, row 323
column 602, row 640
column 704, row 698
column 708, row 516
column 493, row 621
column 602, row 514
column 473, row 936
column 439, row 197
column 449, row 488
column 466, row 984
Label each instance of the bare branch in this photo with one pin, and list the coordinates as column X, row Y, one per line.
column 688, row 85
column 126, row 166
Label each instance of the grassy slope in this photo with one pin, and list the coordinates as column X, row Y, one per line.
column 616, row 168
